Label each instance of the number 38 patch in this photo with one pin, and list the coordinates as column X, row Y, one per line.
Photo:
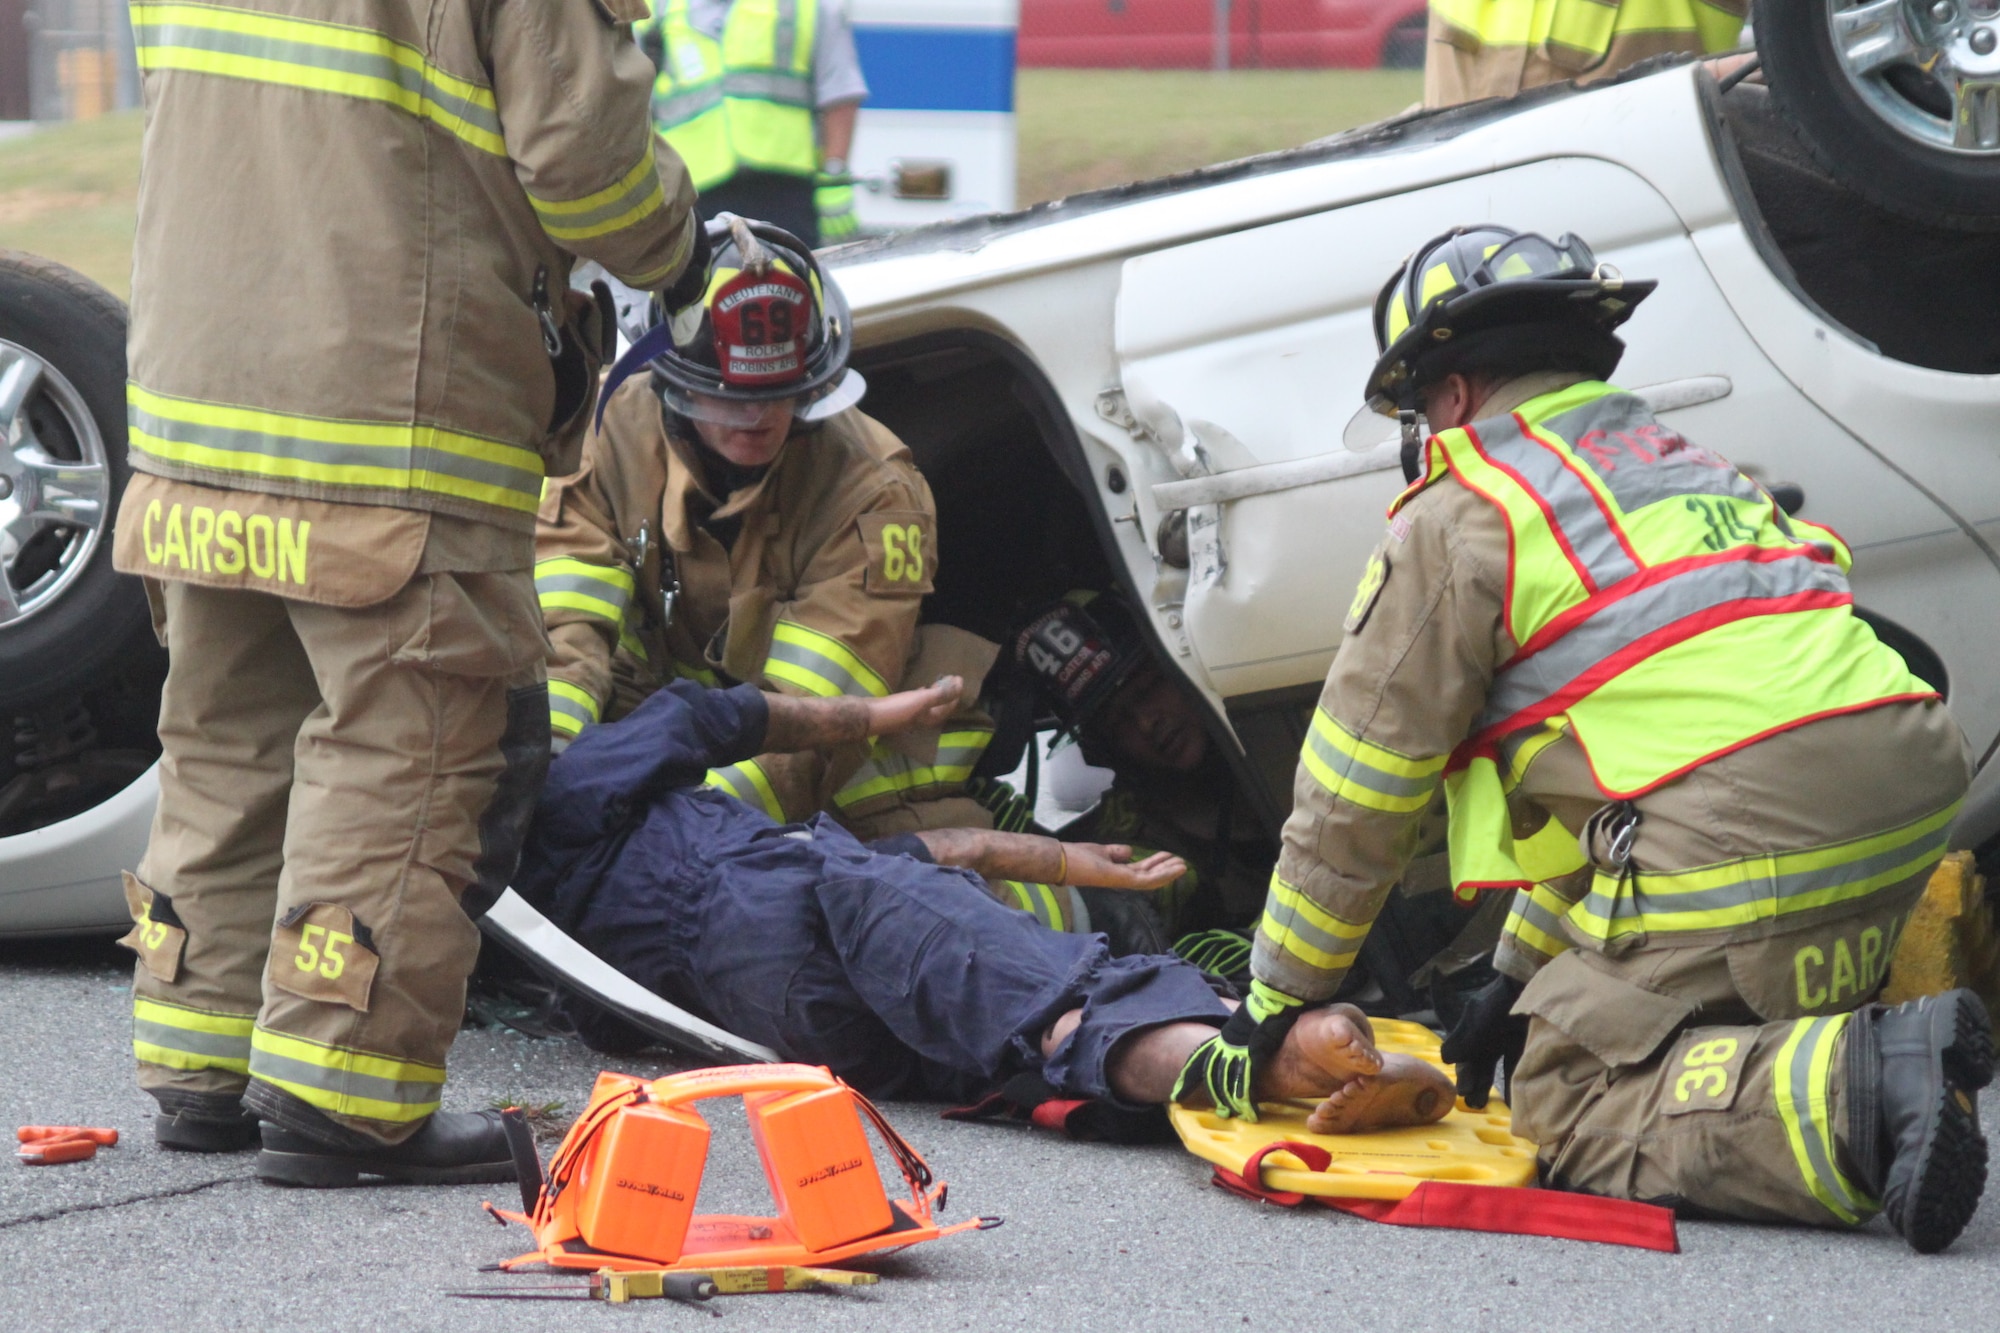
column 320, row 952
column 1704, row 1068
column 1373, row 580
column 902, row 551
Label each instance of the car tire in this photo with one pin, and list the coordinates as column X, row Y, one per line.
column 66, row 617
column 1865, row 87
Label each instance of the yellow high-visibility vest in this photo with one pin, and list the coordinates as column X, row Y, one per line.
column 746, row 101
column 1580, row 32
column 1667, row 612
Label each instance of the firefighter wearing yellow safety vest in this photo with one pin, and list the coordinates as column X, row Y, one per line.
column 739, row 520
column 1713, row 795
column 760, row 97
column 352, row 356
column 1496, row 48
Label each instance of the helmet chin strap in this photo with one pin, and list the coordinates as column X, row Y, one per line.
column 1413, row 443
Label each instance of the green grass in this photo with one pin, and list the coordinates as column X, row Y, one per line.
column 69, row 192
column 1082, row 128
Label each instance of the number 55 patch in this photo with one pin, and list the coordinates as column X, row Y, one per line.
column 320, row 952
column 902, row 551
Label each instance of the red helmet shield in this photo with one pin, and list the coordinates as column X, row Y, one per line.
column 763, row 326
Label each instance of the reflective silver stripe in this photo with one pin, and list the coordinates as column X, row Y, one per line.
column 346, row 1083
column 155, row 39
column 1365, row 774
column 1541, row 918
column 570, row 708
column 1610, row 900
column 1682, row 469
column 1280, row 916
column 416, row 459
column 789, row 650
column 215, row 1045
column 767, row 85
column 1809, row 1130
column 785, row 40
column 686, row 103
column 615, row 593
column 1578, row 519
column 1530, row 681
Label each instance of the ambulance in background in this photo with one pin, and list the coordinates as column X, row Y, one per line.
column 935, row 139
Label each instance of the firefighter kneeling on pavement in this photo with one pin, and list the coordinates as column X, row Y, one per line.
column 1713, row 794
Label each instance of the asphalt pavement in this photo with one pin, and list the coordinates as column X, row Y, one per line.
column 1095, row 1237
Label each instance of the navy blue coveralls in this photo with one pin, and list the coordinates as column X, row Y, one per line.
column 903, row 976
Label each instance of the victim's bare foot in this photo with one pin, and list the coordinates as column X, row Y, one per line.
column 1406, row 1092
column 1326, row 1049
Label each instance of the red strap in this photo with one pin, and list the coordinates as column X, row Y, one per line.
column 1250, row 1184
column 1523, row 1212
column 1054, row 1115
column 1506, row 1210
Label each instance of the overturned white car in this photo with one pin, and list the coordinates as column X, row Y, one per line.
column 1158, row 387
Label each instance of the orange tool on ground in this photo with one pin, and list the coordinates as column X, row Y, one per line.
column 103, row 1138
column 53, row 1151
column 49, row 1145
column 619, row 1194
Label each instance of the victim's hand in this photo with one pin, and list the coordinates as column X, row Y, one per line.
column 915, row 710
column 1110, row 866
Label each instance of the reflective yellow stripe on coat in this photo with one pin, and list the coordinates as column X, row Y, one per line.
column 323, row 57
column 246, row 442
column 820, row 664
column 1587, row 27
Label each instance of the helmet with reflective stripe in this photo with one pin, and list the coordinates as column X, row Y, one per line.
column 1492, row 295
column 771, row 326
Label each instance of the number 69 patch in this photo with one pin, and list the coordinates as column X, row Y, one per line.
column 320, row 952
column 901, row 551
column 1704, row 1068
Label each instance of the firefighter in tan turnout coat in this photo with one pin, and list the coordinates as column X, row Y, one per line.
column 352, row 352
column 745, row 523
column 1712, row 793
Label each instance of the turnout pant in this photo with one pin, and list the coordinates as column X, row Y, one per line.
column 1709, row 1078
column 907, row 978
column 339, row 789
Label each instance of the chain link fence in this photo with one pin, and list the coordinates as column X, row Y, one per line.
column 1222, row 34
column 79, row 60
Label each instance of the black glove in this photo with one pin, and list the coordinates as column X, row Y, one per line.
column 1487, row 1033
column 1225, row 1067
column 692, row 285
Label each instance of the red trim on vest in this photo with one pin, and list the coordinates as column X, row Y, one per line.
column 1616, row 664
column 1570, row 464
column 1506, row 521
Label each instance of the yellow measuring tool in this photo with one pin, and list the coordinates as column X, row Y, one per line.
column 1468, row 1147
column 646, row 1284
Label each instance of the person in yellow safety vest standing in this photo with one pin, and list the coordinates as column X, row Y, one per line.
column 352, row 360
column 1496, row 48
column 760, row 98
column 1713, row 794
column 739, row 520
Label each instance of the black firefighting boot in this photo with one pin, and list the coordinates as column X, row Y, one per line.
column 1913, row 1075
column 303, row 1147
column 202, row 1121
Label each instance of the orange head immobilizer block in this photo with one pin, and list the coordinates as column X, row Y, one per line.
column 620, row 1190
